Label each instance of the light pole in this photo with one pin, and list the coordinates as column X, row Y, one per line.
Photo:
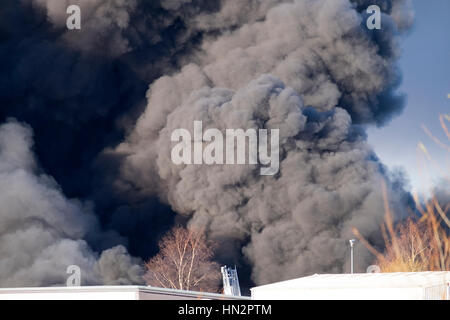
column 352, row 243
column 448, row 291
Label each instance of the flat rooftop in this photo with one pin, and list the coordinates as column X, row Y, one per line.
column 108, row 293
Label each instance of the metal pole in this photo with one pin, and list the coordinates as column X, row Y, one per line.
column 352, row 242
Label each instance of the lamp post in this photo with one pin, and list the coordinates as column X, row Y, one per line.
column 352, row 243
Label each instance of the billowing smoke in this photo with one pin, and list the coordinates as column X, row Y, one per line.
column 42, row 232
column 313, row 70
column 310, row 68
column 80, row 91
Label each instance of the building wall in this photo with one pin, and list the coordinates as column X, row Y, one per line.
column 108, row 293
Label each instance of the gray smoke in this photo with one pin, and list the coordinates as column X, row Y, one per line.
column 41, row 231
column 311, row 69
column 78, row 89
column 107, row 27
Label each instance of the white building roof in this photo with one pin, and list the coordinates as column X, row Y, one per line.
column 107, row 293
column 401, row 285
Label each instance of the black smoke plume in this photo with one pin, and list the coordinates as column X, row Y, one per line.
column 102, row 100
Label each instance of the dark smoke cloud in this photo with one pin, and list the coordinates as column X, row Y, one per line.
column 80, row 90
column 42, row 232
column 83, row 93
column 77, row 91
column 295, row 223
column 329, row 76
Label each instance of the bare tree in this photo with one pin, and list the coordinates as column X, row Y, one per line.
column 415, row 244
column 184, row 262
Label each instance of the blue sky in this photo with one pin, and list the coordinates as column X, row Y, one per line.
column 426, row 82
